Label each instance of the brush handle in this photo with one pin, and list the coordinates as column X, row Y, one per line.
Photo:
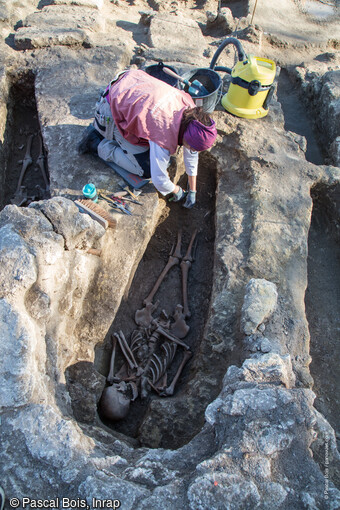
column 175, row 75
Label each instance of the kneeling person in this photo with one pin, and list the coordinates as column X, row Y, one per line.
column 139, row 123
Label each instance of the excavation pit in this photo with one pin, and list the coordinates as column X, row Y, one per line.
column 175, row 219
column 323, row 301
column 23, row 138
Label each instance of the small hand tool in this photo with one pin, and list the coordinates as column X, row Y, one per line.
column 108, row 192
column 125, row 187
column 20, row 195
column 41, row 164
column 121, row 195
column 122, row 208
column 117, row 203
column 118, row 199
column 127, row 199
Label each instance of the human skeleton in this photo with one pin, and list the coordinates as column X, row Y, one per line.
column 152, row 346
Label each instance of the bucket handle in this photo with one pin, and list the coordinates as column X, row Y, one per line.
column 161, row 65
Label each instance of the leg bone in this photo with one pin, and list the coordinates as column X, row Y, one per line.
column 171, row 337
column 170, row 389
column 173, row 261
column 189, row 254
column 185, row 267
column 41, row 164
column 110, row 377
column 128, row 354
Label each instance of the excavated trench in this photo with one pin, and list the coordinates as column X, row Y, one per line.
column 22, row 123
column 169, row 295
column 323, row 301
column 322, row 295
column 322, row 298
column 296, row 117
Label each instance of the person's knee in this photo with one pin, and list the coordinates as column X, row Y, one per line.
column 106, row 150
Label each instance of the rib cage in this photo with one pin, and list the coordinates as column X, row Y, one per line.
column 160, row 363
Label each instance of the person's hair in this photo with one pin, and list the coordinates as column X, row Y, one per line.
column 196, row 113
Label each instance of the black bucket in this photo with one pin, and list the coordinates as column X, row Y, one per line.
column 157, row 72
column 212, row 81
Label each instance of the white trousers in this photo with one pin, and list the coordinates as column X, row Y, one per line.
column 114, row 147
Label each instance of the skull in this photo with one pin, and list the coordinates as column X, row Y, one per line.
column 114, row 403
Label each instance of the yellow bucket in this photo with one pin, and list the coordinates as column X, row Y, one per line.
column 251, row 88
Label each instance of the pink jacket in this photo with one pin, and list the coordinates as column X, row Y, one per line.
column 145, row 108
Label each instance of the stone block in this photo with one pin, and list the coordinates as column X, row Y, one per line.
column 26, row 221
column 85, row 386
column 222, row 21
column 259, row 303
column 18, row 374
column 78, row 230
column 222, row 490
column 58, row 26
column 270, row 368
column 102, row 487
column 329, row 106
column 51, row 439
column 171, row 496
column 175, row 38
column 18, row 268
column 92, row 4
column 334, row 151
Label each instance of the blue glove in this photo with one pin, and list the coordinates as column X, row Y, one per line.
column 191, row 200
column 176, row 197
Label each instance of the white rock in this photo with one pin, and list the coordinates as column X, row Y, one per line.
column 18, row 269
column 18, row 346
column 259, row 303
column 221, row 490
column 269, row 367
